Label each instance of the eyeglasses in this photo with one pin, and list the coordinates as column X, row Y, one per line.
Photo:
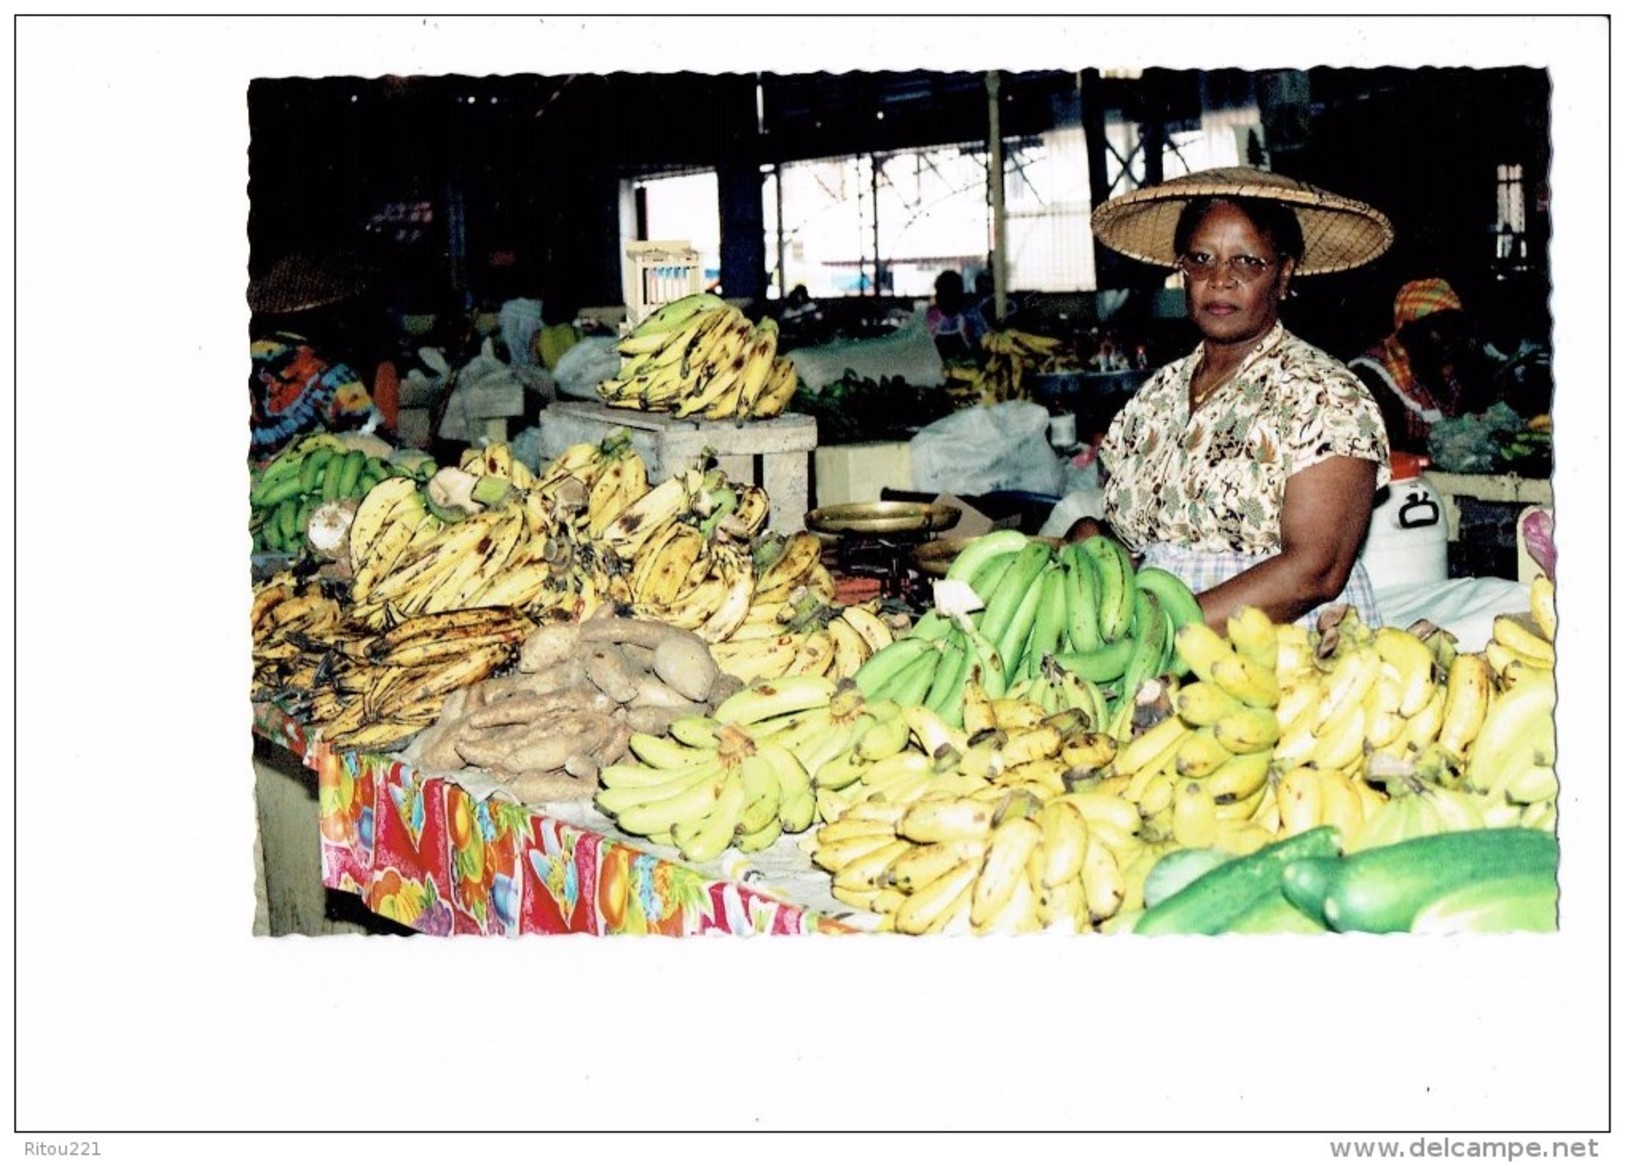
column 1244, row 268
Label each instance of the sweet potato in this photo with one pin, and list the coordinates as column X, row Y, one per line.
column 684, row 663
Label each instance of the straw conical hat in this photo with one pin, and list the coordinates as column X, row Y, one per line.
column 303, row 282
column 1338, row 233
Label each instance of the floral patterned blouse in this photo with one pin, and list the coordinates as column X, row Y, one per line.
column 1215, row 481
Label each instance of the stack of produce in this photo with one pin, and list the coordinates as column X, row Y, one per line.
column 1486, row 880
column 738, row 778
column 584, row 535
column 294, row 622
column 375, row 690
column 1011, row 356
column 316, row 470
column 805, row 635
column 587, row 530
column 577, row 694
column 700, row 356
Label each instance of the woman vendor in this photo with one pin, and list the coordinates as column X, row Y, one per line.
column 1432, row 367
column 1249, row 466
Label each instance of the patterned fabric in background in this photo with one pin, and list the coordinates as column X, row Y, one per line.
column 293, row 390
column 1203, row 570
column 1423, row 297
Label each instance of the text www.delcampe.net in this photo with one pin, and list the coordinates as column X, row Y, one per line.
column 1428, row 1147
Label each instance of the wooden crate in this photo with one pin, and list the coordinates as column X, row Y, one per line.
column 657, row 273
column 771, row 453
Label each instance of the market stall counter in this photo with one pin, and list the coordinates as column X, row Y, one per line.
column 439, row 859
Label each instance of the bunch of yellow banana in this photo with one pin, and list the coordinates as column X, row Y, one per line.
column 1056, row 688
column 737, row 778
column 1417, row 809
column 699, row 356
column 385, row 688
column 1194, row 757
column 294, row 624
column 1517, row 645
column 516, row 550
column 779, row 639
column 1008, row 863
column 1309, row 797
column 909, row 751
column 478, row 560
column 1010, row 357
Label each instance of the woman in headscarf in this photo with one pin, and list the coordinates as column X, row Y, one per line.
column 295, row 384
column 1432, row 366
column 1249, row 466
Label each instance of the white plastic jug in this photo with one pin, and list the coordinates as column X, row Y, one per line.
column 1409, row 541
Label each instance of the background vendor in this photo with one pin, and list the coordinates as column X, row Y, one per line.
column 1249, row 466
column 308, row 335
column 953, row 320
column 1433, row 366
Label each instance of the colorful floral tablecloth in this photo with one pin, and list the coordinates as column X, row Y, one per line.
column 428, row 855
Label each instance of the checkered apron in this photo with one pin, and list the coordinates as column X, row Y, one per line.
column 1203, row 569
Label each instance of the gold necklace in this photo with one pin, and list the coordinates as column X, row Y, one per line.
column 1200, row 398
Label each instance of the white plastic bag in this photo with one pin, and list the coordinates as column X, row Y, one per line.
column 987, row 449
column 520, row 320
column 909, row 352
column 581, row 368
column 485, row 387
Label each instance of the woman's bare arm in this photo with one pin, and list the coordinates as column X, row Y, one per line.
column 1323, row 526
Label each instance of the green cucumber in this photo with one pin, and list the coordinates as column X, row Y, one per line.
column 1524, row 903
column 1174, row 870
column 1305, row 883
column 1213, row 901
column 1384, row 890
column 1275, row 913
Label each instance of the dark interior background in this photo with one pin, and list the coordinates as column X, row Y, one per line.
column 524, row 171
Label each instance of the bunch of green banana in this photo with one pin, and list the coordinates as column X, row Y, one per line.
column 1084, row 605
column 1482, row 880
column 699, row 356
column 308, row 473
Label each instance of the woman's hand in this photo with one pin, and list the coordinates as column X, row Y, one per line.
column 1323, row 526
column 1084, row 528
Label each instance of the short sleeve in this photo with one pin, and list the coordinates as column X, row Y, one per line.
column 1328, row 411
